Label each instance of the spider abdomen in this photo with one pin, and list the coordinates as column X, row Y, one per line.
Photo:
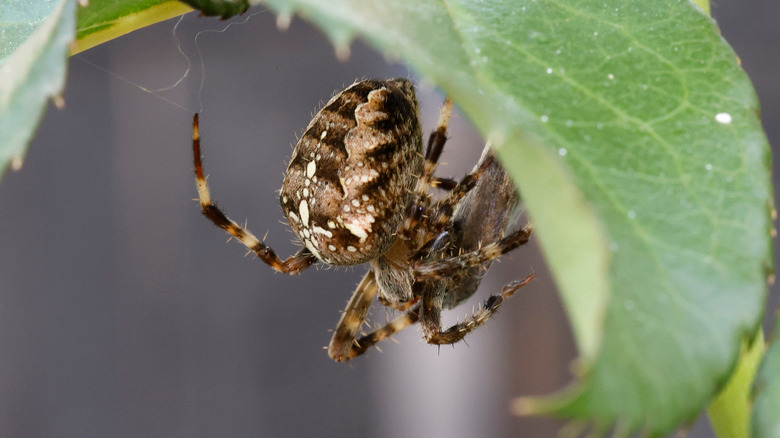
column 353, row 171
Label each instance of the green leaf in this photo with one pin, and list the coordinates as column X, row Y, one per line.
column 632, row 133
column 729, row 413
column 104, row 20
column 33, row 52
column 765, row 421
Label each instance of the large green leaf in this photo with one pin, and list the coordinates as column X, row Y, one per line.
column 633, row 135
column 34, row 40
column 765, row 421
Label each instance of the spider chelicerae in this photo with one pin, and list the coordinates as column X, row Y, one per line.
column 357, row 190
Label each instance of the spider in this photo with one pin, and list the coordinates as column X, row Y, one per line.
column 356, row 191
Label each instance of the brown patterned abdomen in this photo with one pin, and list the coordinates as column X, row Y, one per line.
column 352, row 172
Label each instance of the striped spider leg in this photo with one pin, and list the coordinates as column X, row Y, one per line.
column 293, row 265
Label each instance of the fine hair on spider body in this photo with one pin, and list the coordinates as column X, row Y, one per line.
column 356, row 190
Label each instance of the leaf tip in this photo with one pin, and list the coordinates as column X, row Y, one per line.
column 522, row 407
column 342, row 50
column 58, row 101
column 527, row 406
column 16, row 163
column 283, row 20
column 341, row 40
column 534, row 405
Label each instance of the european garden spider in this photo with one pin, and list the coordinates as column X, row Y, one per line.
column 356, row 191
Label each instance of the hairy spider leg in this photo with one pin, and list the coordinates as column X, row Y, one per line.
column 343, row 341
column 422, row 220
column 433, row 269
column 433, row 151
column 293, row 265
column 435, row 220
column 443, row 183
column 438, row 216
column 431, row 322
column 365, row 342
column 449, row 336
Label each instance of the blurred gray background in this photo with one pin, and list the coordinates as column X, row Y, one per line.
column 123, row 312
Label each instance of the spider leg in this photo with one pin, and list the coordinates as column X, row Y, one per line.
column 443, row 183
column 343, row 344
column 408, row 318
column 430, row 307
column 420, row 215
column 436, row 143
column 432, row 269
column 343, row 341
column 441, row 213
column 365, row 342
column 431, row 318
column 433, row 151
column 293, row 265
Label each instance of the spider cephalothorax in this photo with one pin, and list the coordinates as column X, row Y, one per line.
column 356, row 191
